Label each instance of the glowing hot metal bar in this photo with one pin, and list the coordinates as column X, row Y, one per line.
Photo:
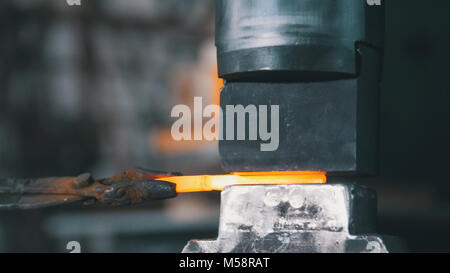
column 133, row 187
column 199, row 183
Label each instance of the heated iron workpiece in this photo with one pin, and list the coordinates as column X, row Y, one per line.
column 333, row 218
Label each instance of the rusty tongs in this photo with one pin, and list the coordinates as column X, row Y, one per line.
column 127, row 188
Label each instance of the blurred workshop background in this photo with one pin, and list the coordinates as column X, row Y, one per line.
column 90, row 88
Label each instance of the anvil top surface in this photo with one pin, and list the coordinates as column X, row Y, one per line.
column 283, row 208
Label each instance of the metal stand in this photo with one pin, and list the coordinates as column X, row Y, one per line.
column 297, row 218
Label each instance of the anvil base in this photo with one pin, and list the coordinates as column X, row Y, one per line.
column 330, row 218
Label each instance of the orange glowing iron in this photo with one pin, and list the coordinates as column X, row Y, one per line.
column 198, row 183
column 133, row 187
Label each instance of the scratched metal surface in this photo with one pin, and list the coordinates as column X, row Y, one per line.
column 297, row 218
column 285, row 36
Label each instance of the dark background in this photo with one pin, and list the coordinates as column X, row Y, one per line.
column 86, row 88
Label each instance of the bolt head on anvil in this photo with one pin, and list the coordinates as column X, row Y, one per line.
column 296, row 218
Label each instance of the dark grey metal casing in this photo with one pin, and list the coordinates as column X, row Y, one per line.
column 321, row 62
column 293, row 39
column 327, row 126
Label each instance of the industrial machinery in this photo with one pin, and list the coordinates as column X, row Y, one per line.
column 319, row 62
